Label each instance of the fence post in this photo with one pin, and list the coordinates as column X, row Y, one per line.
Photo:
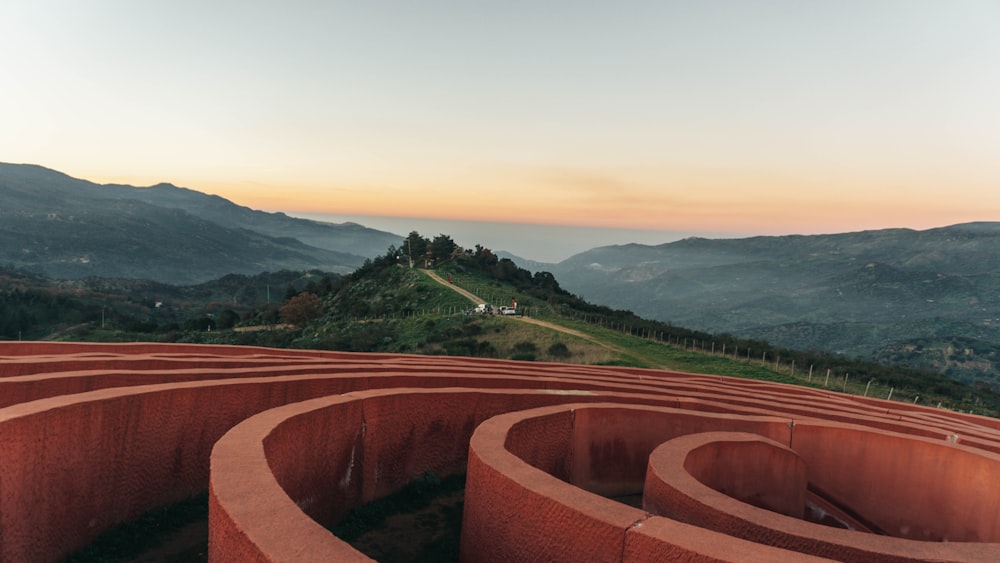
column 827, row 382
column 810, row 373
column 845, row 383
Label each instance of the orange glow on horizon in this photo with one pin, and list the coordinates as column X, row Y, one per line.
column 722, row 201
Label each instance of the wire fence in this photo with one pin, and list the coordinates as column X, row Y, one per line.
column 809, row 375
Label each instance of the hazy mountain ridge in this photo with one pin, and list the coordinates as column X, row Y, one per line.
column 69, row 228
column 868, row 293
column 345, row 237
column 526, row 263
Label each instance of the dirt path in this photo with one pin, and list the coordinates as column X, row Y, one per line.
column 258, row 328
column 472, row 297
column 67, row 330
column 468, row 295
column 565, row 330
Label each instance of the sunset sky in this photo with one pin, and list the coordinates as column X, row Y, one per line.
column 742, row 117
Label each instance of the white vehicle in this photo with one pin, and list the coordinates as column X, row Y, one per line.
column 483, row 309
column 511, row 310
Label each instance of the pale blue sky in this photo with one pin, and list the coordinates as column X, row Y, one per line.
column 724, row 116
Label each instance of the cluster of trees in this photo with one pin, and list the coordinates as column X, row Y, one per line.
column 416, row 251
column 422, row 252
column 31, row 313
column 33, row 307
column 300, row 305
column 541, row 285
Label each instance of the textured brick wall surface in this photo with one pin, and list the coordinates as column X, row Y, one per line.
column 563, row 462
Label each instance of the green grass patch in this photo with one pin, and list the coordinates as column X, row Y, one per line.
column 640, row 352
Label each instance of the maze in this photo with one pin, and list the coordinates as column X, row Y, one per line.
column 562, row 462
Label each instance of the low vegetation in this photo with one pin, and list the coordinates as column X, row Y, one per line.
column 391, row 305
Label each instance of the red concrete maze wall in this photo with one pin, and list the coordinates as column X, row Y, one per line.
column 562, row 462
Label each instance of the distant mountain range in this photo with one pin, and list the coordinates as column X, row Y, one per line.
column 925, row 298
column 63, row 227
column 897, row 295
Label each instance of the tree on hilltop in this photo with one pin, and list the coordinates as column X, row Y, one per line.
column 484, row 257
column 415, row 248
column 442, row 248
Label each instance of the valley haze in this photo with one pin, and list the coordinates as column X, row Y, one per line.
column 538, row 243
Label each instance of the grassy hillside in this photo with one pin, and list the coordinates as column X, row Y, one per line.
column 643, row 343
column 389, row 307
column 386, row 306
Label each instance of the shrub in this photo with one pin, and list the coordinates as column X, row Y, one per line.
column 559, row 350
column 301, row 309
column 524, row 351
column 525, row 347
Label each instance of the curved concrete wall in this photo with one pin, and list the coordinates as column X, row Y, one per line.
column 510, row 494
column 94, row 434
column 907, row 486
column 674, row 489
column 406, row 433
column 746, row 467
column 499, row 469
